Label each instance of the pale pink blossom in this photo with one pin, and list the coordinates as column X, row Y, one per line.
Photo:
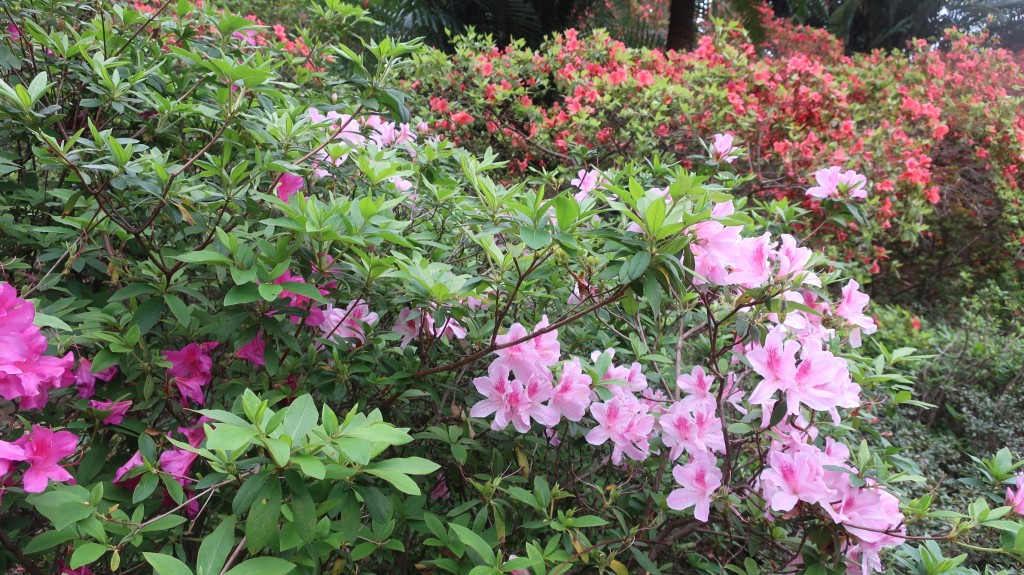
column 775, row 362
column 514, row 401
column 851, row 308
column 722, row 148
column 792, row 477
column 587, row 182
column 695, row 432
column 698, row 480
column 697, row 386
column 834, row 183
column 533, row 356
column 349, row 322
column 626, row 422
column 571, row 396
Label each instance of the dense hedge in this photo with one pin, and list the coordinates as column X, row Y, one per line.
column 937, row 130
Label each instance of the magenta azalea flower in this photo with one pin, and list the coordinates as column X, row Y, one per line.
column 44, row 449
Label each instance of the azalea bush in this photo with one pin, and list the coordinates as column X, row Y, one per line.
column 254, row 318
column 936, row 127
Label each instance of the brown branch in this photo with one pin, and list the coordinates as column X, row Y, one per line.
column 616, row 295
column 27, row 563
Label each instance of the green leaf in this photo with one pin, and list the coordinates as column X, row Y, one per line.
column 304, row 516
column 261, row 524
column 475, row 542
column 181, row 311
column 535, row 239
column 310, row 466
column 43, row 320
column 242, row 294
column 305, row 290
column 164, row 523
column 634, row 267
column 301, row 418
column 216, row 547
column 407, row 465
column 228, row 437
column 63, row 505
column 566, row 211
column 262, row 566
column 401, row 481
column 204, row 257
column 247, row 493
column 47, row 540
column 87, row 553
column 166, row 565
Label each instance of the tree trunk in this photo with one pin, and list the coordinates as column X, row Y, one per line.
column 682, row 25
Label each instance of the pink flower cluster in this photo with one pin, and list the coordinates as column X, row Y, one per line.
column 834, row 183
column 519, row 381
column 349, row 322
column 27, row 374
column 417, row 324
column 191, row 368
column 352, row 132
column 802, row 473
column 42, row 450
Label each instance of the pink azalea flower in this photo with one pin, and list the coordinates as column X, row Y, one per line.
column 1014, row 499
column 514, row 401
column 699, row 479
column 178, row 462
column 288, row 185
column 749, row 262
column 571, row 397
column 696, row 432
column 121, row 473
column 793, row 477
column 587, row 182
column 697, row 386
column 301, row 302
column 495, row 387
column 348, row 323
column 450, row 329
column 776, row 363
column 253, row 351
column 626, row 422
column 9, row 453
column 408, row 325
column 793, row 261
column 722, row 149
column 529, row 357
column 870, row 513
column 16, row 314
column 44, row 449
column 117, row 410
column 834, row 183
column 191, row 368
column 85, row 379
column 851, row 308
column 440, row 491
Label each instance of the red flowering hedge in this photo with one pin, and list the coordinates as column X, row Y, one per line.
column 937, row 130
